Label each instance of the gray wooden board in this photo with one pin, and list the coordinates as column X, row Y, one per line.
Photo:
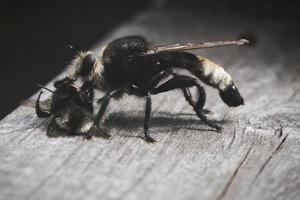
column 257, row 156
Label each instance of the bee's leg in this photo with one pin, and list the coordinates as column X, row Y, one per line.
column 184, row 82
column 148, row 119
column 38, row 110
column 87, row 87
column 87, row 94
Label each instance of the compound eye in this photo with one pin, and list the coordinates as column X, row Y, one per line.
column 87, row 65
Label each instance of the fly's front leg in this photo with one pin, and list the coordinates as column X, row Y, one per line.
column 99, row 117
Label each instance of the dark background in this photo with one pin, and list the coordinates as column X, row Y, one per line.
column 35, row 34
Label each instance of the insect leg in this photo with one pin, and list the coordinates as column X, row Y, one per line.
column 154, row 81
column 188, row 96
column 184, row 82
column 87, row 94
column 198, row 107
column 148, row 119
column 38, row 109
column 52, row 128
column 105, row 101
column 179, row 81
column 160, row 76
column 102, row 110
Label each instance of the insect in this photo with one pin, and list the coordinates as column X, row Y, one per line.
column 71, row 109
column 130, row 65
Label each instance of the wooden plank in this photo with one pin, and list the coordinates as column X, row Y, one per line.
column 257, row 155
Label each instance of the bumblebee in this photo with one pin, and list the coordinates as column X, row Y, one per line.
column 71, row 109
column 131, row 65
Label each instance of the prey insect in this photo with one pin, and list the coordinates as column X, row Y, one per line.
column 132, row 65
column 70, row 107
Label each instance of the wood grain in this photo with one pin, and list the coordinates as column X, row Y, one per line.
column 257, row 156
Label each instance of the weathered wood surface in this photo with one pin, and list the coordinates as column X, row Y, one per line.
column 257, row 156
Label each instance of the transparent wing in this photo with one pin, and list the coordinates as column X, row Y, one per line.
column 191, row 46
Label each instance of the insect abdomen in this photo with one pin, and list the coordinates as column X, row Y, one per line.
column 74, row 120
column 207, row 71
column 212, row 74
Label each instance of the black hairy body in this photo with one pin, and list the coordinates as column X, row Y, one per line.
column 125, row 63
column 71, row 109
column 124, row 66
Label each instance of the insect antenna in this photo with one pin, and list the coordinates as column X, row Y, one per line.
column 74, row 49
column 45, row 88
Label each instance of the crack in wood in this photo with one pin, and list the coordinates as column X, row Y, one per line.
column 233, row 138
column 294, row 94
column 278, row 148
column 235, row 173
column 260, row 140
column 279, row 131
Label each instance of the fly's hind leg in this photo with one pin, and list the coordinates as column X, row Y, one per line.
column 184, row 82
column 198, row 107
